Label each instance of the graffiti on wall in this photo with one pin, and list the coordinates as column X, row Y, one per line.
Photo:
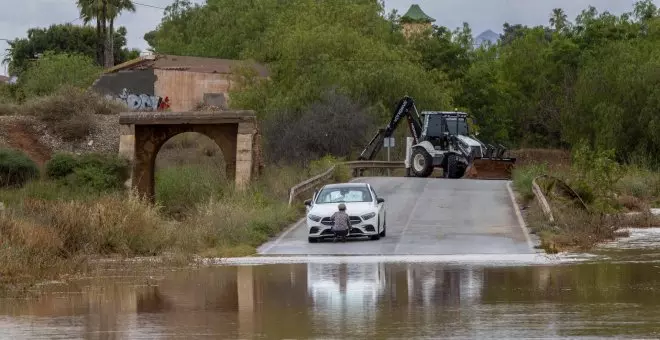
column 142, row 102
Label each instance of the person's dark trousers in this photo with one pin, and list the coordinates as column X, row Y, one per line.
column 341, row 234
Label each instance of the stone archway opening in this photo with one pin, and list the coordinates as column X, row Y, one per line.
column 190, row 169
column 191, row 149
column 143, row 134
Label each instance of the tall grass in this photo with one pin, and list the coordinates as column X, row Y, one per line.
column 609, row 189
column 41, row 239
column 180, row 189
column 53, row 226
column 523, row 176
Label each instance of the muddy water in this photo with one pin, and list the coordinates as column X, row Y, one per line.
column 348, row 301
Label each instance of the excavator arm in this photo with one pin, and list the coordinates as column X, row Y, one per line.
column 405, row 107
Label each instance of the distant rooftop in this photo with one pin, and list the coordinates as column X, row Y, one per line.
column 415, row 14
column 487, row 36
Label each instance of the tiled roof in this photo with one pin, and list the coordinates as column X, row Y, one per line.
column 415, row 14
column 184, row 63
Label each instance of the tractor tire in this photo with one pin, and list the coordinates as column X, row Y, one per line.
column 454, row 168
column 422, row 163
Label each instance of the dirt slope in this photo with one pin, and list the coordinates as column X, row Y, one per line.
column 21, row 136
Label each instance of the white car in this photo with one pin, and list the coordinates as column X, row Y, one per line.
column 365, row 208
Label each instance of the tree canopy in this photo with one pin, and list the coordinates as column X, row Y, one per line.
column 593, row 79
column 62, row 38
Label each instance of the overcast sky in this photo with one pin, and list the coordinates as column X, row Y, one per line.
column 16, row 17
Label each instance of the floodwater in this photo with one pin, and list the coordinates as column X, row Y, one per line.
column 335, row 299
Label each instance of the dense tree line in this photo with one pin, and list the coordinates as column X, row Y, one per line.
column 64, row 39
column 590, row 80
column 105, row 44
column 594, row 79
column 67, row 54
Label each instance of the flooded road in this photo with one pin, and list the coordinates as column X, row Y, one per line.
column 349, row 300
column 429, row 216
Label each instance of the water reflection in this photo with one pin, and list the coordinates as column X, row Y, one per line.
column 348, row 300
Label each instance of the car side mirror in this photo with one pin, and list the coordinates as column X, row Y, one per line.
column 308, row 203
column 381, row 200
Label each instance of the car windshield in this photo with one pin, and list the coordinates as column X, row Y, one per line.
column 344, row 195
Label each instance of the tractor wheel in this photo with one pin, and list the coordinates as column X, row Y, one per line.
column 454, row 168
column 422, row 163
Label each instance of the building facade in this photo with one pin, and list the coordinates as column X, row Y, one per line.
column 177, row 83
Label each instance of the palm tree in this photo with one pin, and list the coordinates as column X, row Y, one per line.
column 115, row 7
column 93, row 10
column 559, row 19
column 103, row 11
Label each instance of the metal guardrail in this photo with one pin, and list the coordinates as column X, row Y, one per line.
column 566, row 190
column 543, row 201
column 318, row 180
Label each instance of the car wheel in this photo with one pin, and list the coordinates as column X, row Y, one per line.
column 383, row 233
column 312, row 239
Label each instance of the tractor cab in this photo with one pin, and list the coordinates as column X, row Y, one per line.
column 437, row 126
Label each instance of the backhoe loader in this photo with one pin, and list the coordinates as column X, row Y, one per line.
column 442, row 139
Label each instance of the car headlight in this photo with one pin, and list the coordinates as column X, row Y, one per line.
column 368, row 216
column 314, row 218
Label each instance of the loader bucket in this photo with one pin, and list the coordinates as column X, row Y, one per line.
column 490, row 168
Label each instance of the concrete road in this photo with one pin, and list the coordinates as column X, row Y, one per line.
column 428, row 216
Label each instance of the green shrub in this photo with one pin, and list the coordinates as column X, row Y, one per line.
column 99, row 172
column 52, row 71
column 597, row 169
column 524, row 176
column 61, row 165
column 93, row 172
column 595, row 174
column 16, row 168
column 179, row 189
column 342, row 173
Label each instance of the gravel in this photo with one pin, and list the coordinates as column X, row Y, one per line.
column 104, row 137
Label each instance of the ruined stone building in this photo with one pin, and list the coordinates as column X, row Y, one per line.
column 180, row 83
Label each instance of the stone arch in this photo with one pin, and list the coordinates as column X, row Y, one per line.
column 191, row 149
column 144, row 133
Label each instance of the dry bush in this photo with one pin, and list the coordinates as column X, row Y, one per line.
column 69, row 112
column 640, row 183
column 641, row 220
column 42, row 239
column 632, row 203
column 113, row 224
column 573, row 230
column 333, row 126
column 555, row 159
column 8, row 109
